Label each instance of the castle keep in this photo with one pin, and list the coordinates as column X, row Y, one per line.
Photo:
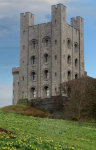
column 50, row 53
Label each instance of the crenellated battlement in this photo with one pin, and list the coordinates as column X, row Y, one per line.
column 15, row 70
column 27, row 18
column 75, row 22
column 56, row 7
column 27, row 14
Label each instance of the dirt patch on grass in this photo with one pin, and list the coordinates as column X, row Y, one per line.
column 3, row 131
column 6, row 131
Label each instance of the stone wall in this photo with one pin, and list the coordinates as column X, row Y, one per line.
column 58, row 32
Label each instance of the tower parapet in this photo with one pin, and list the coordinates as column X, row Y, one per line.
column 27, row 19
column 15, row 70
column 76, row 23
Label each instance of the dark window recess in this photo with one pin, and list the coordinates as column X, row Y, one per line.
column 76, row 63
column 46, row 74
column 69, row 75
column 55, row 57
column 34, row 45
column 24, row 32
column 33, row 76
column 33, row 60
column 76, row 76
column 47, row 43
column 23, row 47
column 69, row 60
column 46, row 58
column 55, row 89
column 33, row 91
column 55, row 41
column 46, row 91
column 55, row 74
column 55, row 21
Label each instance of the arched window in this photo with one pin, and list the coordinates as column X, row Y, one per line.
column 69, row 75
column 55, row 57
column 55, row 41
column 76, row 47
column 33, row 92
column 46, row 91
column 46, row 40
column 55, row 89
column 34, row 45
column 33, row 76
column 69, row 59
column 69, row 43
column 33, row 60
column 76, row 76
column 46, row 58
column 76, row 63
column 47, row 43
column 46, row 74
column 55, row 74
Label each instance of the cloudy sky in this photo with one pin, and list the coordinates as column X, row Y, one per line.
column 10, row 34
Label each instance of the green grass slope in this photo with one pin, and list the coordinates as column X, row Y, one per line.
column 19, row 132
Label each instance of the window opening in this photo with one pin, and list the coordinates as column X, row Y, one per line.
column 76, row 62
column 69, row 43
column 46, row 74
column 33, row 76
column 47, row 43
column 33, row 60
column 76, row 76
column 55, row 89
column 69, row 59
column 34, row 45
column 69, row 75
column 46, row 89
column 55, row 41
column 33, row 92
column 46, row 58
column 24, row 32
column 55, row 57
column 23, row 47
column 55, row 21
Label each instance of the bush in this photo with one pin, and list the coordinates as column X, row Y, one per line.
column 32, row 104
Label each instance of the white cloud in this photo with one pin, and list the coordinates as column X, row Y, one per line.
column 5, row 95
column 15, row 7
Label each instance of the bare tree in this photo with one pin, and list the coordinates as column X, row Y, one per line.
column 79, row 96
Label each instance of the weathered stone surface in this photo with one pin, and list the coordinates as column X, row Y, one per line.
column 58, row 33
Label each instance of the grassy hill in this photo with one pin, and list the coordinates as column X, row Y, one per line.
column 19, row 130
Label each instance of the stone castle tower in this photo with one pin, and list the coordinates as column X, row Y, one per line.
column 50, row 53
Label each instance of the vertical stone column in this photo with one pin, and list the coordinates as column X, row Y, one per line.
column 56, row 48
column 26, row 20
column 79, row 25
